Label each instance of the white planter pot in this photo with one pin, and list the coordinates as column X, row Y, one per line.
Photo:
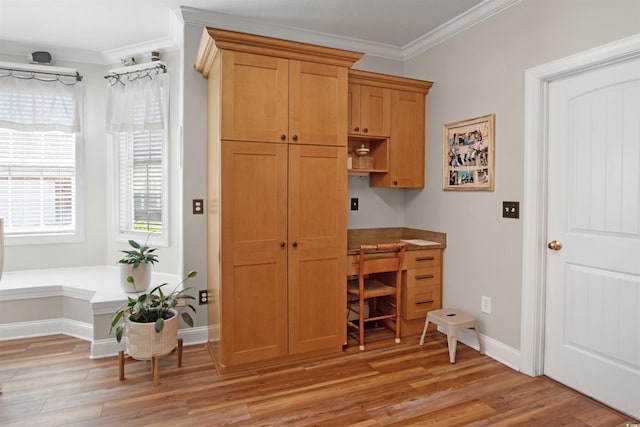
column 143, row 342
column 141, row 276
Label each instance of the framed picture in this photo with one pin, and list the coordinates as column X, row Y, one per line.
column 468, row 152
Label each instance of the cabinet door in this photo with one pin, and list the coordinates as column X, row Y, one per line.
column 317, row 248
column 254, row 264
column 406, row 143
column 375, row 111
column 353, row 109
column 317, row 104
column 255, row 99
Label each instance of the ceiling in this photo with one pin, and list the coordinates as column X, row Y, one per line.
column 101, row 30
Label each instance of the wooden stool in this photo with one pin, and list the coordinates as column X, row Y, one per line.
column 154, row 364
column 452, row 321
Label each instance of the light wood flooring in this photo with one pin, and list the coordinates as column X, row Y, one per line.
column 51, row 381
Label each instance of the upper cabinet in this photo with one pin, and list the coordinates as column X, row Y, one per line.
column 274, row 90
column 369, row 110
column 399, row 152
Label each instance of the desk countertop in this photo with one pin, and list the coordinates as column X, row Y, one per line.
column 367, row 236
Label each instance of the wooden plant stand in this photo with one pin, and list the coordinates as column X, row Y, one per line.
column 154, row 363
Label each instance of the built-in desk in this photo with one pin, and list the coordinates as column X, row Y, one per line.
column 422, row 269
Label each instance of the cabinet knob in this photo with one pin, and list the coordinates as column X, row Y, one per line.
column 365, row 130
column 283, row 244
column 283, row 137
column 294, row 244
column 295, row 137
column 357, row 129
column 395, row 182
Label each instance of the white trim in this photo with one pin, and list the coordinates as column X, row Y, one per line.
column 460, row 23
column 495, row 349
column 110, row 347
column 40, row 328
column 466, row 20
column 537, row 80
column 194, row 16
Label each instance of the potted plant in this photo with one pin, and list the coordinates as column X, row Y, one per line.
column 137, row 263
column 150, row 322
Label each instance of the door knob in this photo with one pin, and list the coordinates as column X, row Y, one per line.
column 554, row 245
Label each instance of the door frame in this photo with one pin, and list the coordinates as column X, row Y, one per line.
column 534, row 211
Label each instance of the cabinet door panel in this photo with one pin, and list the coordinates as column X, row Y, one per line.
column 254, row 97
column 254, row 265
column 317, row 263
column 406, row 154
column 318, row 104
column 375, row 111
column 353, row 109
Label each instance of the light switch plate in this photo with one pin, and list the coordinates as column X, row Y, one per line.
column 511, row 209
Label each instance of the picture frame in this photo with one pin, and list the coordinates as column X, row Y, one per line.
column 468, row 154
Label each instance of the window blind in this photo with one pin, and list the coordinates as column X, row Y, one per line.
column 37, row 182
column 141, row 176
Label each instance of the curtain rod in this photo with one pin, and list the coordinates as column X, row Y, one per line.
column 33, row 69
column 134, row 72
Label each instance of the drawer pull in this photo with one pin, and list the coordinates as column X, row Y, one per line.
column 425, row 302
column 426, row 258
column 424, row 276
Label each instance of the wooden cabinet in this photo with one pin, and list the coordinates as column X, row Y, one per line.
column 422, row 283
column 273, row 99
column 406, row 143
column 283, row 250
column 369, row 110
column 276, row 191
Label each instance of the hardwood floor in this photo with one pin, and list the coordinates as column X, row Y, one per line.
column 51, row 381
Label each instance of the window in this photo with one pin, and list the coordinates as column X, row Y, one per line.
column 137, row 112
column 38, row 182
column 141, row 182
column 40, row 153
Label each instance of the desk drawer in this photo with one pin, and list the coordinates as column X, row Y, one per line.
column 423, row 258
column 417, row 301
column 424, row 276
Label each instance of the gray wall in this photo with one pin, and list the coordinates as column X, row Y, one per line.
column 478, row 72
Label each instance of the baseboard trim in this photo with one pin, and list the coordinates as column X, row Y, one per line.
column 493, row 348
column 38, row 328
column 110, row 347
column 99, row 348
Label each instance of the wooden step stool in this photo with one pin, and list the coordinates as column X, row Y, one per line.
column 452, row 321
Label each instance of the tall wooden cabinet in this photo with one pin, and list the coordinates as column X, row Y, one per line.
column 392, row 109
column 276, row 196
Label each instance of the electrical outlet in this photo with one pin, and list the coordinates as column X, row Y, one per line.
column 354, row 203
column 203, row 297
column 198, row 206
column 485, row 304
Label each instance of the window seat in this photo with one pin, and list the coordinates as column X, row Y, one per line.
column 77, row 301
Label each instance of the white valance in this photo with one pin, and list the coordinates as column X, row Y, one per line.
column 139, row 104
column 39, row 105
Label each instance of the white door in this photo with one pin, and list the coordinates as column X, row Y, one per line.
column 592, row 324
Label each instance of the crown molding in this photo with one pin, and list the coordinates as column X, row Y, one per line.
column 455, row 26
column 58, row 53
column 205, row 18
column 165, row 44
column 194, row 16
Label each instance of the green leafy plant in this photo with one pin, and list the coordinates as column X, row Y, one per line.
column 154, row 307
column 141, row 254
